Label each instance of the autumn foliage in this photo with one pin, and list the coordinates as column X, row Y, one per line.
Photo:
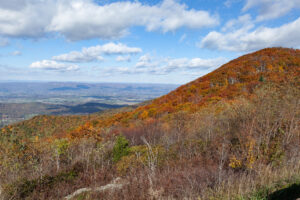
column 227, row 135
column 237, row 78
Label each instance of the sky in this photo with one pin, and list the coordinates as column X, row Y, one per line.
column 138, row 41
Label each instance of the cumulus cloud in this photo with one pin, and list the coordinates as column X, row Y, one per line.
column 53, row 65
column 28, row 18
column 147, row 65
column 123, row 58
column 199, row 63
column 194, row 63
column 112, row 48
column 247, row 39
column 75, row 56
column 145, row 61
column 95, row 53
column 244, row 21
column 13, row 4
column 85, row 19
column 271, row 9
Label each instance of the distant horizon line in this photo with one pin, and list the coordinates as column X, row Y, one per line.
column 91, row 82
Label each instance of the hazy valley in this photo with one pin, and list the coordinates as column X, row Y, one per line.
column 23, row 100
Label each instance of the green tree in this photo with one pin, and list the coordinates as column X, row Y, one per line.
column 261, row 79
column 121, row 148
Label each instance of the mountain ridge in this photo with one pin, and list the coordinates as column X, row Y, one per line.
column 238, row 77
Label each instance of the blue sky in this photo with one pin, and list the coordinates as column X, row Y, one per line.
column 168, row 41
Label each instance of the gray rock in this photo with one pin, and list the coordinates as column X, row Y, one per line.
column 115, row 184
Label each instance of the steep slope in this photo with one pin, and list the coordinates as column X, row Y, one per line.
column 237, row 78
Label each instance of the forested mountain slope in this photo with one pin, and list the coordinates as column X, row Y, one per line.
column 237, row 78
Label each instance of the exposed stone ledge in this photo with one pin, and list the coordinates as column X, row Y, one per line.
column 115, row 184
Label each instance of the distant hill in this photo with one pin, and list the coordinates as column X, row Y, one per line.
column 78, row 87
column 15, row 112
column 239, row 77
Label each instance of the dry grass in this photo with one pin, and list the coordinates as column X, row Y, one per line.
column 237, row 150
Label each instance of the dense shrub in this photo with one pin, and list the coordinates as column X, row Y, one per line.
column 121, row 148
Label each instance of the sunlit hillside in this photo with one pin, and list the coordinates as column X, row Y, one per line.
column 239, row 77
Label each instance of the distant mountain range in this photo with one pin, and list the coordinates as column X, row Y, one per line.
column 23, row 100
column 78, row 87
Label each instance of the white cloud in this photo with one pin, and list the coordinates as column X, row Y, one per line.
column 84, row 19
column 244, row 21
column 13, row 4
column 194, row 63
column 176, row 63
column 27, row 18
column 246, row 39
column 271, row 9
column 145, row 61
column 146, row 65
column 75, row 56
column 95, row 53
column 199, row 63
column 53, row 65
column 123, row 58
column 112, row 48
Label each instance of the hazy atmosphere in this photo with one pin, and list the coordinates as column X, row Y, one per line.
column 169, row 41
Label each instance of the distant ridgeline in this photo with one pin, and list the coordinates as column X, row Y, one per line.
column 78, row 87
